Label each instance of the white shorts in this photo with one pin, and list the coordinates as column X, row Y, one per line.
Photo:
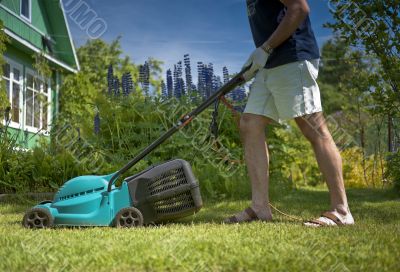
column 286, row 92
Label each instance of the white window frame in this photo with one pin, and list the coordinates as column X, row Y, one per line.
column 13, row 64
column 49, row 106
column 30, row 11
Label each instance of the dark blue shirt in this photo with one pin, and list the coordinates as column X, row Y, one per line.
column 264, row 17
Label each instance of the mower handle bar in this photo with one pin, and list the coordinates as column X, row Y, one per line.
column 183, row 121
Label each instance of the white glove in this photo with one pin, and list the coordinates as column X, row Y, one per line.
column 258, row 59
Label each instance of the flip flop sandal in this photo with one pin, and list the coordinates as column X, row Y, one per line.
column 250, row 212
column 333, row 221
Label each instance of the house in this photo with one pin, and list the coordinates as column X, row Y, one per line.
column 35, row 27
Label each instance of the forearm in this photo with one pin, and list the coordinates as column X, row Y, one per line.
column 297, row 11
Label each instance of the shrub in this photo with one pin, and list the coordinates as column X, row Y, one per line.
column 362, row 172
column 126, row 127
column 292, row 158
column 36, row 170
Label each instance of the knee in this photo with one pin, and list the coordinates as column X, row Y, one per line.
column 250, row 125
column 314, row 128
column 317, row 135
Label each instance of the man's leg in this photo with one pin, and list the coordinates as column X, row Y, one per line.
column 252, row 130
column 329, row 160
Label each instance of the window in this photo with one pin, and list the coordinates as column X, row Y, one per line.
column 26, row 9
column 37, row 103
column 13, row 78
column 30, row 103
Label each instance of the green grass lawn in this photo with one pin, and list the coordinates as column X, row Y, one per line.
column 202, row 243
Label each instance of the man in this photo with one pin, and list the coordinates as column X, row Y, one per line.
column 285, row 67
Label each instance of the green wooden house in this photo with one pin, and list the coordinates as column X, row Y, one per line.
column 35, row 27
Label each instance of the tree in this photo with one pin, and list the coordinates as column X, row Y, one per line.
column 332, row 68
column 96, row 56
column 348, row 99
column 374, row 26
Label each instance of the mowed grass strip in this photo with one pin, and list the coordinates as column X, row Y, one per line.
column 202, row 243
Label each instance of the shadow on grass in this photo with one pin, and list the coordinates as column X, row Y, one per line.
column 380, row 206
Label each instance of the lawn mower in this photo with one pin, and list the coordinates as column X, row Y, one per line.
column 162, row 192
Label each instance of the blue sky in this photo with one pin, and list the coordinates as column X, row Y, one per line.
column 209, row 30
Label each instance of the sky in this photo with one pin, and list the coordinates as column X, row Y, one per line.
column 214, row 31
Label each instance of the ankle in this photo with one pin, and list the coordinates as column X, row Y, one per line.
column 262, row 210
column 342, row 209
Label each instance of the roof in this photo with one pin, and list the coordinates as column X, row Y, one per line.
column 48, row 22
column 58, row 21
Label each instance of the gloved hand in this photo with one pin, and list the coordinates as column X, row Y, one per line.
column 257, row 60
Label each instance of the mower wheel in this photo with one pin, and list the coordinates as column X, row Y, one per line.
column 128, row 218
column 38, row 218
